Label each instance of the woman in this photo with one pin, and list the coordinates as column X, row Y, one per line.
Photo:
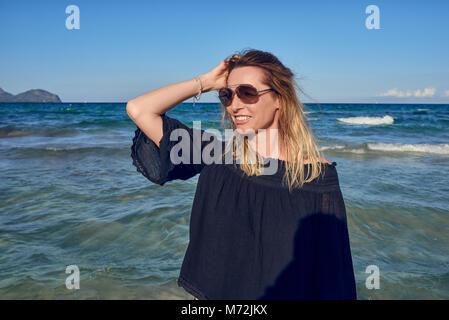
column 252, row 235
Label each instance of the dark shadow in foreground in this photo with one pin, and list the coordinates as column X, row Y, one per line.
column 322, row 265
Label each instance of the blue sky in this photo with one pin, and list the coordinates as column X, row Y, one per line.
column 126, row 48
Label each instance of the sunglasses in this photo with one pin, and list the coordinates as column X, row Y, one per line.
column 247, row 93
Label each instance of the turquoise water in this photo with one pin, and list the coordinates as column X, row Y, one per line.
column 71, row 196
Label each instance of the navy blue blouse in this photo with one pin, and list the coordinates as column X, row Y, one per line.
column 250, row 237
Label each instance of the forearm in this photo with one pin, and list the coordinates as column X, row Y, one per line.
column 159, row 101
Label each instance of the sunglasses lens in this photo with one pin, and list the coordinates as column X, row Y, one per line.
column 247, row 94
column 225, row 95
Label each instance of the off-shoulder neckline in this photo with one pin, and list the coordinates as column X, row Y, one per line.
column 275, row 179
column 284, row 161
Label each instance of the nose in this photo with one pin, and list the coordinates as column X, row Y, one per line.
column 236, row 104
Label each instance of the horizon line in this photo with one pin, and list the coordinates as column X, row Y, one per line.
column 119, row 102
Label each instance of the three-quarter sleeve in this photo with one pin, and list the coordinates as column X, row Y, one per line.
column 155, row 163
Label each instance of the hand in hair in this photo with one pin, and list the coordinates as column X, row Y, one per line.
column 216, row 78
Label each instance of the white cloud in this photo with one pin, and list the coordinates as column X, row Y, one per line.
column 445, row 94
column 427, row 92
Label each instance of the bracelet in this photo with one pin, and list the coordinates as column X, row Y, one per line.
column 197, row 97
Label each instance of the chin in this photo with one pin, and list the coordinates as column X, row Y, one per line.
column 245, row 130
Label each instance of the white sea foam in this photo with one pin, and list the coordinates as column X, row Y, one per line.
column 422, row 109
column 442, row 149
column 368, row 120
column 332, row 147
column 351, row 149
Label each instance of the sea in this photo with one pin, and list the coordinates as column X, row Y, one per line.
column 73, row 207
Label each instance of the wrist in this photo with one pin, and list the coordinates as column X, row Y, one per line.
column 206, row 83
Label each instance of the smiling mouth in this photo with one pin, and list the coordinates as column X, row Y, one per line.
column 242, row 118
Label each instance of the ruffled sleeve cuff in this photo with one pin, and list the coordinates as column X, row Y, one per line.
column 154, row 162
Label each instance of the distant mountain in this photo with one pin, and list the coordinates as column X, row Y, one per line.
column 34, row 95
column 5, row 96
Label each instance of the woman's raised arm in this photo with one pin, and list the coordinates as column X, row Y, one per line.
column 145, row 110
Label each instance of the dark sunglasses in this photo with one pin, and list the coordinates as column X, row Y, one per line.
column 247, row 93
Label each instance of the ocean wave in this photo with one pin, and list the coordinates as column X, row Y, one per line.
column 102, row 122
column 13, row 131
column 40, row 152
column 368, row 120
column 440, row 149
column 400, row 147
column 421, row 111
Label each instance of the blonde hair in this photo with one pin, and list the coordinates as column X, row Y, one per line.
column 299, row 141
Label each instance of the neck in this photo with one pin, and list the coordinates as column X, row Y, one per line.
column 268, row 143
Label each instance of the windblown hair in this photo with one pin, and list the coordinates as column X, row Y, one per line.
column 299, row 141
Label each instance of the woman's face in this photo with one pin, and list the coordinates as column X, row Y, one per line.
column 264, row 113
